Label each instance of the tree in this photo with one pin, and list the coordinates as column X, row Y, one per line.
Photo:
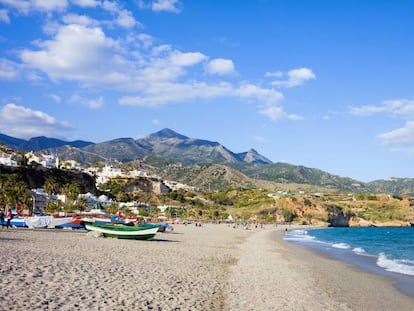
column 122, row 196
column 21, row 158
column 81, row 204
column 112, row 209
column 12, row 190
column 288, row 215
column 50, row 186
column 71, row 191
column 54, row 207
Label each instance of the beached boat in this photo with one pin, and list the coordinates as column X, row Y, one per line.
column 110, row 220
column 17, row 221
column 76, row 223
column 123, row 231
column 46, row 221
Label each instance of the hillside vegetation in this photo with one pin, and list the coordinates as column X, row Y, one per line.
column 271, row 203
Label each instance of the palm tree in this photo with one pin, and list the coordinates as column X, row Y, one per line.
column 50, row 186
column 71, row 191
column 12, row 190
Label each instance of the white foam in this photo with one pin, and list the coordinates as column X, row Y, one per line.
column 401, row 266
column 341, row 245
column 358, row 250
column 298, row 236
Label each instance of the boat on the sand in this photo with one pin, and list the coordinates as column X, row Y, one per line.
column 76, row 223
column 16, row 221
column 123, row 231
column 44, row 221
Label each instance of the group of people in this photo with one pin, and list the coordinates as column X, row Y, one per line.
column 9, row 217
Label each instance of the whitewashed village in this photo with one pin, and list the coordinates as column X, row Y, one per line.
column 102, row 175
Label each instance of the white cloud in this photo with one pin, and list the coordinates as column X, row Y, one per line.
column 110, row 6
column 22, row 6
column 400, row 139
column 220, row 66
column 86, row 3
column 267, row 96
column 95, row 103
column 295, row 77
column 146, row 40
column 166, row 5
column 126, row 19
column 24, row 122
column 78, row 19
column 403, row 108
column 25, row 6
column 78, row 99
column 9, row 70
column 56, row 98
column 186, row 59
column 401, row 136
column 49, row 6
column 50, row 27
column 4, row 16
column 366, row 110
column 162, row 93
column 148, row 75
column 276, row 74
column 275, row 113
column 76, row 53
column 156, row 122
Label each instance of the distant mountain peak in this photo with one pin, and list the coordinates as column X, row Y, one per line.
column 252, row 156
column 168, row 133
column 251, row 150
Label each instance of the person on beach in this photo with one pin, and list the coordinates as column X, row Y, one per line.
column 2, row 218
column 9, row 218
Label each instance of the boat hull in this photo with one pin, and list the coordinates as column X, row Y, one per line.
column 46, row 221
column 122, row 231
column 15, row 222
column 77, row 223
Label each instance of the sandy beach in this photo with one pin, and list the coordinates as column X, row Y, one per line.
column 215, row 267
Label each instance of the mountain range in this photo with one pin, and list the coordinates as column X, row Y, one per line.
column 178, row 157
column 39, row 143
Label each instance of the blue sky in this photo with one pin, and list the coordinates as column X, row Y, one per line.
column 324, row 84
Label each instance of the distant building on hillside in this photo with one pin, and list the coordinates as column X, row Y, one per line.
column 7, row 161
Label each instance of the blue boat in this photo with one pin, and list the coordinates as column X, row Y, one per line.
column 17, row 221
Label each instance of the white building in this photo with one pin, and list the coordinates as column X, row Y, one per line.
column 136, row 173
column 111, row 172
column 7, row 161
column 101, row 180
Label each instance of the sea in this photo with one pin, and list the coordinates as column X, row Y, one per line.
column 388, row 251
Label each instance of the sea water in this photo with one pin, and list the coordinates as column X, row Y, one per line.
column 385, row 250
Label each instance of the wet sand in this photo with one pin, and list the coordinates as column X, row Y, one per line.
column 214, row 267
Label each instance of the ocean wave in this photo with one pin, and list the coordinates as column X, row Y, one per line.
column 298, row 235
column 402, row 266
column 341, row 245
column 359, row 250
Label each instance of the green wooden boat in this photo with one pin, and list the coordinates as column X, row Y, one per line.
column 123, row 231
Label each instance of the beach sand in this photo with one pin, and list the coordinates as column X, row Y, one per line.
column 214, row 267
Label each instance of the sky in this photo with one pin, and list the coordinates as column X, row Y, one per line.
column 324, row 84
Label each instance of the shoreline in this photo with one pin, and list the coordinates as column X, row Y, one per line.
column 295, row 277
column 402, row 282
column 346, row 282
column 214, row 267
